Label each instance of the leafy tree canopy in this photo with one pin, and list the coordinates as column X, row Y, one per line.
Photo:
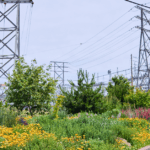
column 119, row 88
column 30, row 86
column 82, row 97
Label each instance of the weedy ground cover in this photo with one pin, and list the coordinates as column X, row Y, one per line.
column 82, row 131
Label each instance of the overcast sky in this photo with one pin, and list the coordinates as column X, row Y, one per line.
column 94, row 35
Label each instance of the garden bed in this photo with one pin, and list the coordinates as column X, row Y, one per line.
column 82, row 131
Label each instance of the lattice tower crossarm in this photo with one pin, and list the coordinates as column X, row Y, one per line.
column 16, row 1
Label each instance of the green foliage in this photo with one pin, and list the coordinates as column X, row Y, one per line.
column 83, row 97
column 58, row 105
column 124, row 132
column 91, row 125
column 126, row 105
column 139, row 98
column 115, row 112
column 1, row 104
column 120, row 88
column 38, row 144
column 123, row 116
column 30, row 86
column 45, row 144
column 110, row 103
column 8, row 116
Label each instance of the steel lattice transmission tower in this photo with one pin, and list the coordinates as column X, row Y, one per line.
column 143, row 77
column 59, row 70
column 12, row 32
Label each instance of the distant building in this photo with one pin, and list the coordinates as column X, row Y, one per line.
column 2, row 86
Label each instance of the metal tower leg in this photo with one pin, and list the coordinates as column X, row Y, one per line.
column 11, row 33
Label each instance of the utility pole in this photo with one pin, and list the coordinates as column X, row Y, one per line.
column 131, row 72
column 117, row 71
column 59, row 71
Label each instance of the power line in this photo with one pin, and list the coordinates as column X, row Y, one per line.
column 108, row 26
column 98, row 49
column 99, row 32
column 98, row 40
column 137, row 4
column 51, row 49
column 108, row 74
column 113, row 57
column 24, row 22
column 29, row 30
column 104, row 45
column 111, row 52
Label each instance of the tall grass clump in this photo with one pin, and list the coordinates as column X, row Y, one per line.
column 8, row 116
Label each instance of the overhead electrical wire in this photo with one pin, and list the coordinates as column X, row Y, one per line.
column 29, row 29
column 26, row 37
column 80, row 64
column 108, row 26
column 111, row 52
column 111, row 73
column 114, row 57
column 24, row 21
column 51, row 49
column 97, row 41
column 81, row 58
column 62, row 47
column 107, row 54
column 97, row 33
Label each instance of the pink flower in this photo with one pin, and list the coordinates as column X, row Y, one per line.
column 137, row 114
column 148, row 110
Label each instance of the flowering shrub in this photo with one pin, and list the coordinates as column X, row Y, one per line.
column 76, row 143
column 73, row 117
column 142, row 135
column 140, row 113
column 58, row 105
column 20, row 135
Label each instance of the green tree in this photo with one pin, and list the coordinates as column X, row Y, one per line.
column 83, row 97
column 120, row 88
column 30, row 86
column 139, row 98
